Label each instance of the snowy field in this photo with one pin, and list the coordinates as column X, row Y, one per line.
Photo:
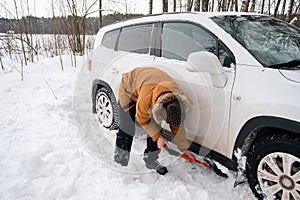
column 53, row 148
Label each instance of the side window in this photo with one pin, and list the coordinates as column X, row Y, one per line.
column 224, row 56
column 136, row 39
column 110, row 38
column 179, row 39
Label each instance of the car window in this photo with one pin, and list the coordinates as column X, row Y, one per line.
column 136, row 39
column 272, row 42
column 178, row 40
column 226, row 58
column 110, row 38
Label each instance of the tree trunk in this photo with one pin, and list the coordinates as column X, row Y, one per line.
column 245, row 5
column 197, row 5
column 262, row 6
column 236, row 5
column 283, row 10
column 219, row 5
column 269, row 7
column 189, row 5
column 150, row 7
column 174, row 5
column 276, row 8
column 165, row 5
column 224, row 5
column 100, row 14
column 2, row 67
column 290, row 10
column 252, row 8
column 230, row 5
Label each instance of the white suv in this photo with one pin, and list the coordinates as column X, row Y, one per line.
column 241, row 72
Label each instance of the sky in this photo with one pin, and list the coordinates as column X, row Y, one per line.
column 43, row 8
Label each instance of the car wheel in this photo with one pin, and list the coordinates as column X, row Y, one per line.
column 273, row 167
column 107, row 109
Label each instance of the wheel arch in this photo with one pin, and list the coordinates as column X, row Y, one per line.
column 259, row 125
column 97, row 84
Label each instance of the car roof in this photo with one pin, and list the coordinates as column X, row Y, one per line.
column 181, row 15
column 194, row 16
column 174, row 15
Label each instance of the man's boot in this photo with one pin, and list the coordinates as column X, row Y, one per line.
column 121, row 156
column 151, row 162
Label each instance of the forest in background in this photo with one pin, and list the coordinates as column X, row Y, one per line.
column 59, row 25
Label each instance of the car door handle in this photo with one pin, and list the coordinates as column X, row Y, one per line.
column 114, row 71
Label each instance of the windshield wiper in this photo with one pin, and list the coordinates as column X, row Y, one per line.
column 291, row 65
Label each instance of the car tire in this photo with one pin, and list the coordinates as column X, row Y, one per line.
column 273, row 167
column 107, row 109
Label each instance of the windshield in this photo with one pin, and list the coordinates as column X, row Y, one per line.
column 272, row 42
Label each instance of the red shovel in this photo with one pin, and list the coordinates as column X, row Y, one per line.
column 208, row 164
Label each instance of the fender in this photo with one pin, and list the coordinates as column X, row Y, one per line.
column 97, row 84
column 264, row 122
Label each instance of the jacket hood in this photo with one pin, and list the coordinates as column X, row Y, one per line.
column 158, row 106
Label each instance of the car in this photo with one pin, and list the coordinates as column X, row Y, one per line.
column 241, row 72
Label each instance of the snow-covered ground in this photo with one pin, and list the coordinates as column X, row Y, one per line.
column 52, row 146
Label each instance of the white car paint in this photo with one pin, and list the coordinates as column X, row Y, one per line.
column 251, row 89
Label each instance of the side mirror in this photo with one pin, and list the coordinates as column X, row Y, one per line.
column 204, row 61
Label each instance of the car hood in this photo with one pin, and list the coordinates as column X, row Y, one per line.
column 292, row 75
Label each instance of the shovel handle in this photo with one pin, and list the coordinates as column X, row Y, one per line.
column 176, row 153
column 204, row 164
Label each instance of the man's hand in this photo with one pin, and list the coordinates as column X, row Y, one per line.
column 190, row 155
column 161, row 142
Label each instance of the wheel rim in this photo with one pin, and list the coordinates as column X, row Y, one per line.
column 279, row 176
column 104, row 110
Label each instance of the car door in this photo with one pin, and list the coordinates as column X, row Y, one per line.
column 207, row 123
column 132, row 50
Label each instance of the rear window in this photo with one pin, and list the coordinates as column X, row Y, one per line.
column 136, row 39
column 110, row 38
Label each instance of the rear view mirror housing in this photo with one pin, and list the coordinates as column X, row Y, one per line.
column 204, row 61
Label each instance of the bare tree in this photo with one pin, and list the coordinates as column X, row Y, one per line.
column 262, row 6
column 283, row 9
column 219, row 5
column 189, row 5
column 2, row 66
column 224, row 5
column 165, row 5
column 197, row 5
column 58, row 50
column 212, row 5
column 276, row 8
column 22, row 44
column 205, row 5
column 245, row 5
column 236, row 5
column 150, row 6
column 174, row 5
column 252, row 8
column 269, row 7
column 290, row 10
column 76, row 24
column 232, row 5
column 100, row 14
